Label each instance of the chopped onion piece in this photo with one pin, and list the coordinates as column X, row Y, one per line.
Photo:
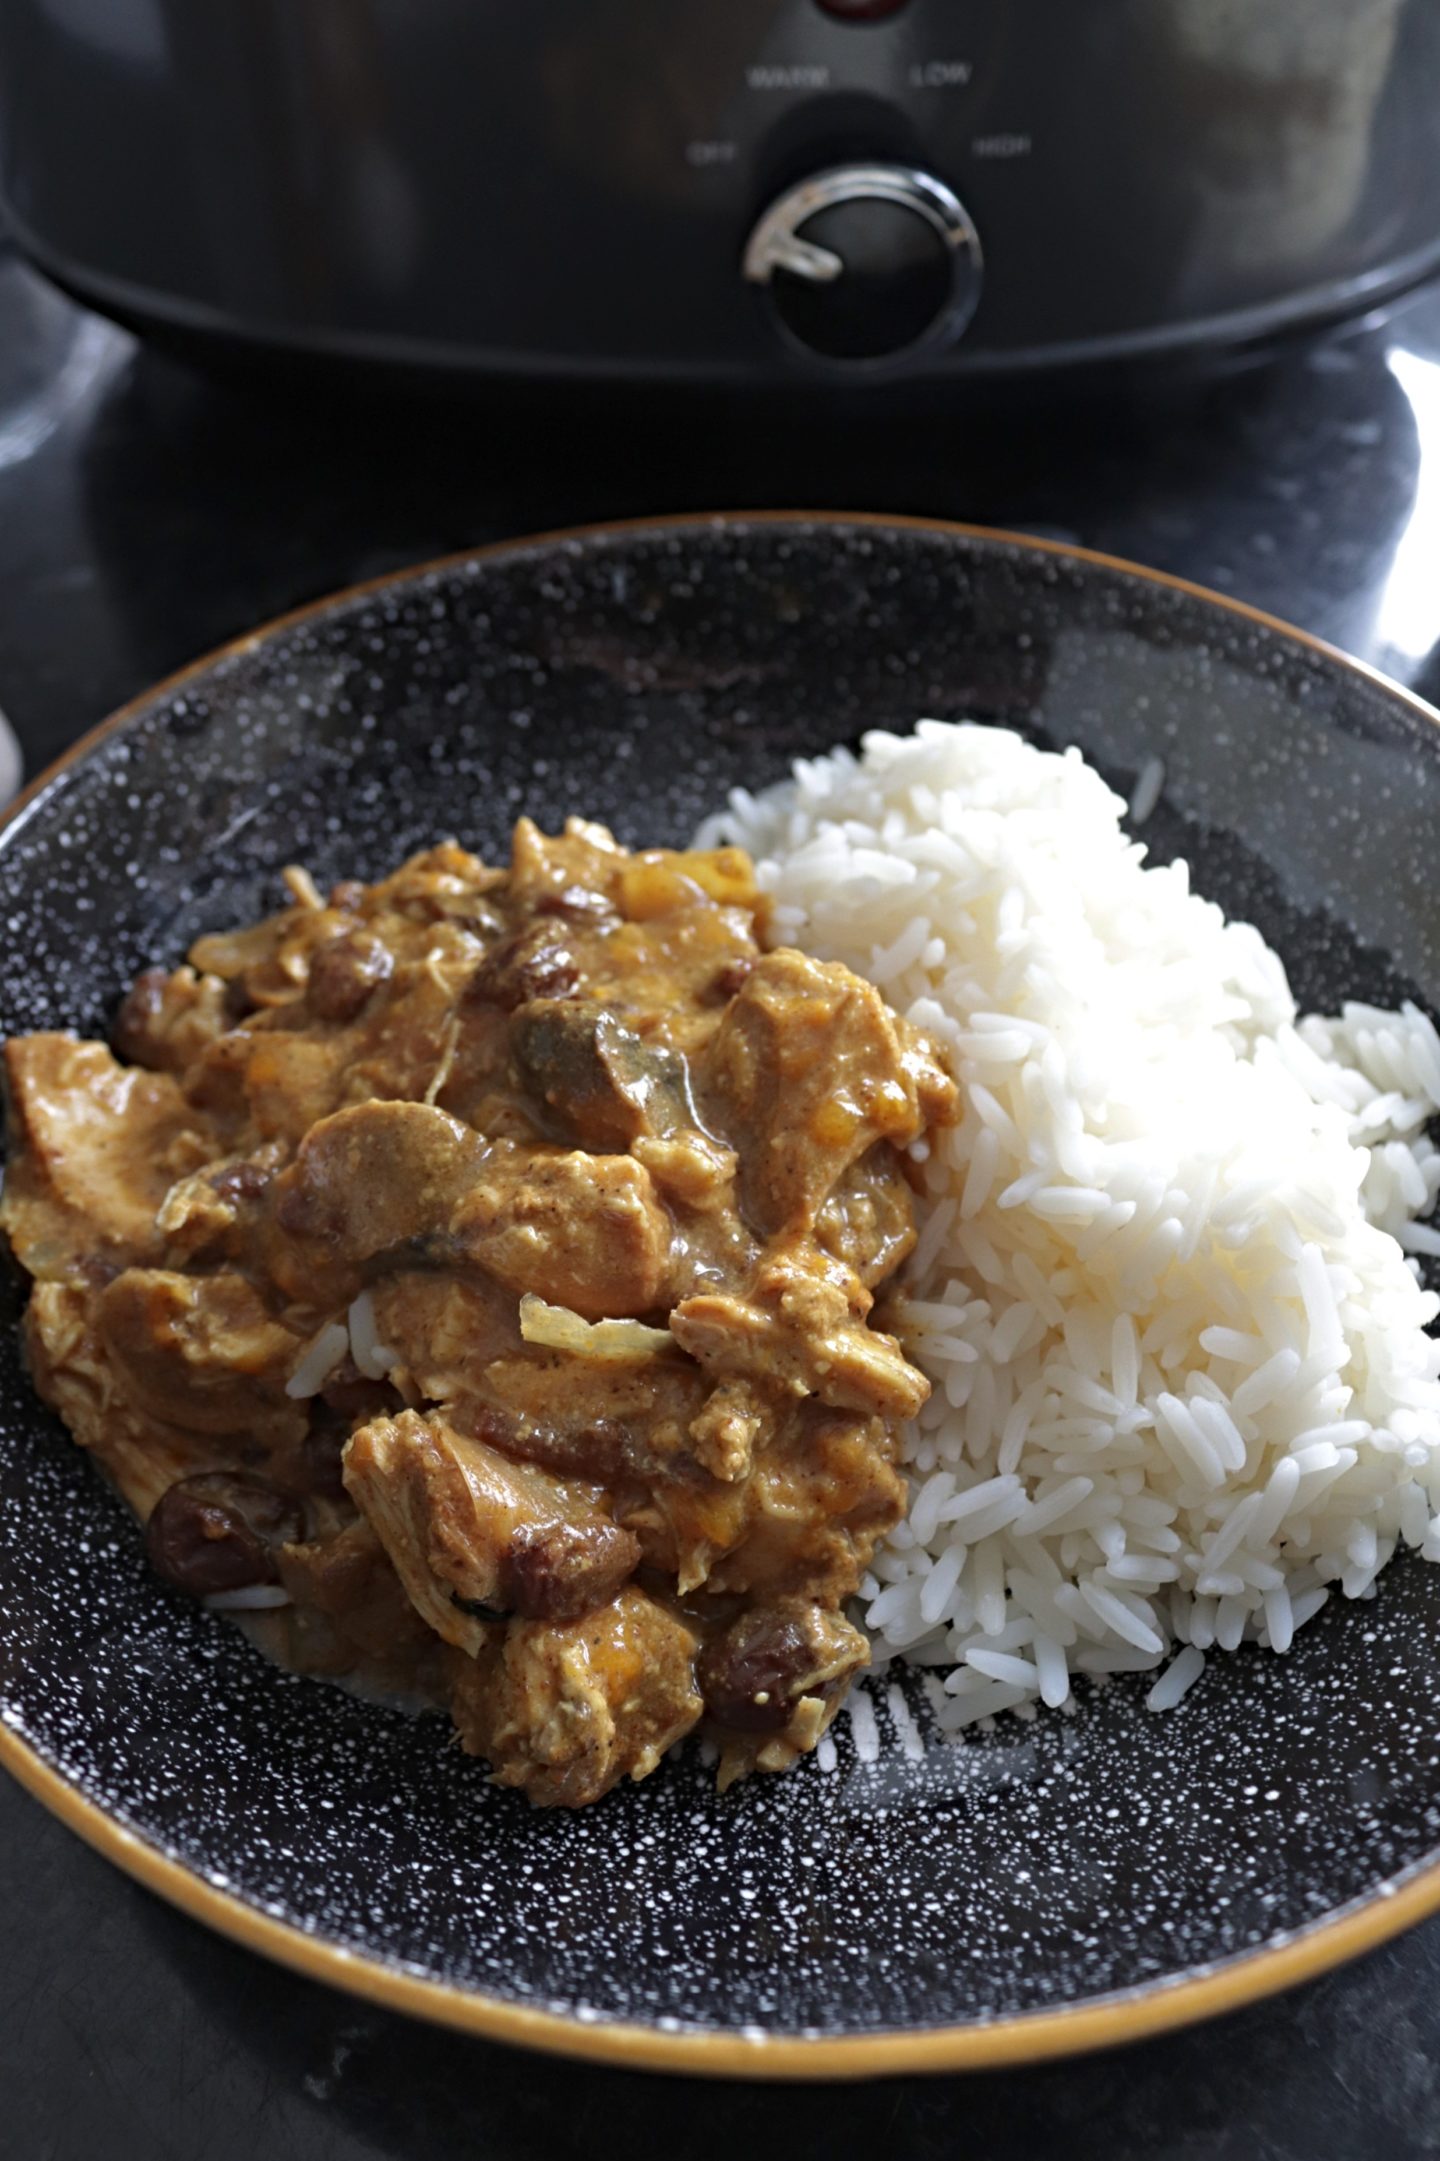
column 558, row 1329
column 303, row 889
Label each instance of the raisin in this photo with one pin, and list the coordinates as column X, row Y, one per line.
column 730, row 980
column 579, row 904
column 752, row 1675
column 533, row 963
column 557, row 1571
column 240, row 1182
column 219, row 1531
column 135, row 1034
column 344, row 973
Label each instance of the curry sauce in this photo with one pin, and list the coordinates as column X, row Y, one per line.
column 471, row 1277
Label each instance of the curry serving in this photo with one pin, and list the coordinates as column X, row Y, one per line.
column 472, row 1274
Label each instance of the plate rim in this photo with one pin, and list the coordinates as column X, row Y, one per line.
column 1150, row 2007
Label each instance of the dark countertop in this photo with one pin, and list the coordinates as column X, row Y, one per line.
column 145, row 516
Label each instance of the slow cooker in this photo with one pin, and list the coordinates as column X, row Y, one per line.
column 745, row 191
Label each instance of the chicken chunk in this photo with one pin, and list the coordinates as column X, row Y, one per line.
column 801, row 1326
column 868, row 1220
column 349, row 1580
column 475, row 1536
column 446, row 1330
column 823, row 1494
column 684, row 1518
column 95, row 1147
column 809, row 1069
column 736, row 1415
column 201, row 1352
column 72, row 1372
column 567, row 1710
column 290, row 1080
column 582, row 1231
column 366, row 1182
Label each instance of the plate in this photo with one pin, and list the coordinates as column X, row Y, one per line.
column 1048, row 1886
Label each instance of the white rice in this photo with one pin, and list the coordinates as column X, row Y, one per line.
column 1148, row 789
column 250, row 1598
column 321, row 1356
column 373, row 1358
column 1181, row 1377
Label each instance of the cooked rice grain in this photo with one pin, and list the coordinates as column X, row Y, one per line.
column 1182, row 1380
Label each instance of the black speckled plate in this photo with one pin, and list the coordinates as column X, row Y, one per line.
column 1048, row 1886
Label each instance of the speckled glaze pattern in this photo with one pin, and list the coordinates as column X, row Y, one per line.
column 634, row 676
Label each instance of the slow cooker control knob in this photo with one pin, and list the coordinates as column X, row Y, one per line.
column 865, row 265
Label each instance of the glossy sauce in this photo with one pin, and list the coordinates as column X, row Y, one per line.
column 473, row 1272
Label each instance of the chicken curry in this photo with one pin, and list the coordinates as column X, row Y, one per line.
column 471, row 1277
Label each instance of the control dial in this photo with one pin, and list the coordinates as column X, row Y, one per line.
column 867, row 264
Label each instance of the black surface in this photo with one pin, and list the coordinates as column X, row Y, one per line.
column 895, row 283
column 556, row 186
column 157, row 516
column 636, row 677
